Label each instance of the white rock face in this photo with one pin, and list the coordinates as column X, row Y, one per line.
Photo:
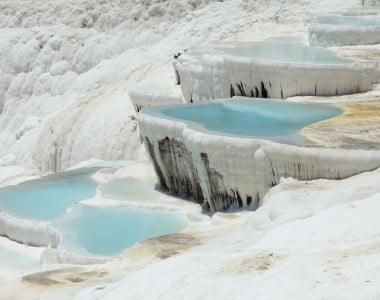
column 90, row 127
column 53, row 54
column 28, row 232
column 213, row 75
column 220, row 171
column 308, row 240
column 147, row 96
column 7, row 160
column 371, row 3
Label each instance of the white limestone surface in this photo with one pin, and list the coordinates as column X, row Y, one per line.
column 29, row 232
column 215, row 74
column 325, row 35
column 237, row 167
column 146, row 96
column 55, row 54
column 320, row 249
column 69, row 137
column 35, row 88
column 7, row 173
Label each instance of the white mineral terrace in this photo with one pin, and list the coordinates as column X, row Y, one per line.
column 43, row 234
column 345, row 30
column 29, row 232
column 68, row 69
column 222, row 171
column 270, row 69
column 151, row 95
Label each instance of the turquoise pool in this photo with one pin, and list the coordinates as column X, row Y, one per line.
column 107, row 231
column 49, row 197
column 90, row 230
column 274, row 119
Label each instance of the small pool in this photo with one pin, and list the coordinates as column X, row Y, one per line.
column 274, row 119
column 106, row 231
column 90, row 230
column 350, row 20
column 285, row 50
column 49, row 197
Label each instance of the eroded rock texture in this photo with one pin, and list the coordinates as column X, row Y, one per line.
column 220, row 197
column 175, row 168
column 221, row 172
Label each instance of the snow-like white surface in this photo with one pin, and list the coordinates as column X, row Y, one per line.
column 56, row 56
column 320, row 249
column 324, row 35
column 8, row 172
column 29, row 232
column 17, row 259
column 146, row 96
column 247, row 167
column 65, row 71
column 219, row 74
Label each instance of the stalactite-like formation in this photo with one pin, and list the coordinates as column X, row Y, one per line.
column 220, row 172
column 218, row 76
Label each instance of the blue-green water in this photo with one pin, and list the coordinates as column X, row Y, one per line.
column 350, row 20
column 107, row 231
column 274, row 119
column 91, row 230
column 49, row 197
column 286, row 50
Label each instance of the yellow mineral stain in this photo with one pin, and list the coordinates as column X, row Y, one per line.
column 357, row 128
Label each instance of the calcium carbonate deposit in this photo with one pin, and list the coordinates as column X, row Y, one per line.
column 73, row 76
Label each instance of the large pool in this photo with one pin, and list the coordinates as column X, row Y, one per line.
column 286, row 50
column 274, row 119
column 91, row 230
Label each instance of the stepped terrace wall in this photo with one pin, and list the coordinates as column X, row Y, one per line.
column 299, row 70
column 345, row 31
column 220, row 172
column 151, row 95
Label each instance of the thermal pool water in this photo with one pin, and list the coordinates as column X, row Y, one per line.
column 273, row 119
column 90, row 230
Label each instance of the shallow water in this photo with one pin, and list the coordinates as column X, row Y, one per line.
column 274, row 119
column 49, row 197
column 106, row 231
column 91, row 230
